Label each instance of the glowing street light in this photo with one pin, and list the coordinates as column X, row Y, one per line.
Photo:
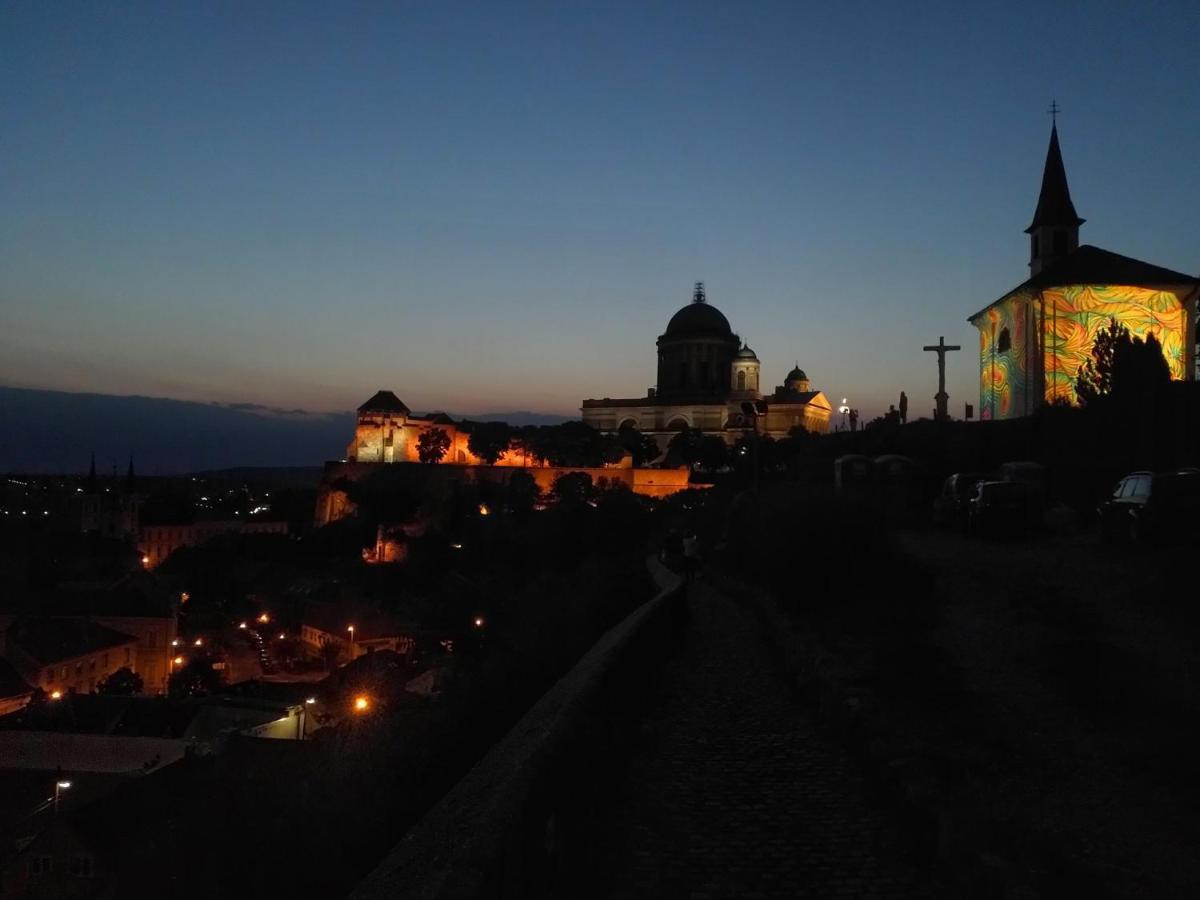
column 199, row 642
column 174, row 642
column 59, row 787
column 178, row 660
column 56, row 695
column 483, row 510
column 362, row 703
column 242, row 625
column 479, row 621
column 146, row 561
column 264, row 618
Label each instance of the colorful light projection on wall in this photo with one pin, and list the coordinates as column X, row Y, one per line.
column 1076, row 313
column 1072, row 317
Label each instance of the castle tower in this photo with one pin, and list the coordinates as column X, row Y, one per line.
column 1054, row 232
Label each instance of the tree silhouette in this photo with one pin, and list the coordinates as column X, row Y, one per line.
column 489, row 440
column 643, row 448
column 122, row 683
column 432, row 445
column 1121, row 365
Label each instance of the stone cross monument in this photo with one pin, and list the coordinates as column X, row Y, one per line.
column 941, row 348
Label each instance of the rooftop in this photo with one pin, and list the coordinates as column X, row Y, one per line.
column 384, row 401
column 49, row 640
column 1093, row 265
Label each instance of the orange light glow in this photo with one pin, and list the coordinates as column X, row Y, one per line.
column 362, row 703
column 56, row 695
column 178, row 660
column 199, row 642
column 145, row 560
column 479, row 621
column 483, row 510
column 264, row 618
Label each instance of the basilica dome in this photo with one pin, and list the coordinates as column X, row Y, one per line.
column 698, row 319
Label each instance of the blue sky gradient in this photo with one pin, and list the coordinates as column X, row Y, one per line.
column 497, row 206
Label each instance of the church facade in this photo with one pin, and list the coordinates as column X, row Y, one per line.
column 1034, row 339
column 705, row 375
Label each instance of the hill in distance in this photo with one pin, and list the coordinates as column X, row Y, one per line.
column 58, row 431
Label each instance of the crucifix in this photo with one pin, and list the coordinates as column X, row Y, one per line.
column 941, row 348
column 1053, row 111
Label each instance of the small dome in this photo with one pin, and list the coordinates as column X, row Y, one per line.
column 797, row 374
column 747, row 353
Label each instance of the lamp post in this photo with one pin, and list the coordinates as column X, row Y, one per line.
column 59, row 787
column 351, row 630
column 304, row 716
column 843, row 409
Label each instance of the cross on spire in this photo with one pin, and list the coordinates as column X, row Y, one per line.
column 1053, row 111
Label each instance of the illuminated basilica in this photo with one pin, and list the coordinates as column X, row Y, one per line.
column 1033, row 339
column 705, row 376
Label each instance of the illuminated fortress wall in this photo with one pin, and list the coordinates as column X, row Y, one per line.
column 1014, row 377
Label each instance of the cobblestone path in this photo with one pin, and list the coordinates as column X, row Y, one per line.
column 734, row 792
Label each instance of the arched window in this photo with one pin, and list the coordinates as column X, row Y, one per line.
column 1004, row 342
column 741, row 380
column 677, row 424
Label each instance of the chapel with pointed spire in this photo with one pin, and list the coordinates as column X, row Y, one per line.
column 1034, row 338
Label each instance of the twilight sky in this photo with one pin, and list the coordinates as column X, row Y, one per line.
column 499, row 206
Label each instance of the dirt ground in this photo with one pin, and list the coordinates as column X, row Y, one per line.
column 1053, row 682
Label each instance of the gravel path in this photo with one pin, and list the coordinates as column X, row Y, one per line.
column 734, row 791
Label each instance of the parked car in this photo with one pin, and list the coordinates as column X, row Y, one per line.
column 1147, row 506
column 999, row 508
column 951, row 504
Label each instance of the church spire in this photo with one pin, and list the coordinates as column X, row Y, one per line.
column 1054, row 231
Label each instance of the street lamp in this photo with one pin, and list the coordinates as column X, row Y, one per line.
column 479, row 621
column 56, row 695
column 304, row 716
column 59, row 787
column 843, row 409
column 362, row 703
column 350, row 629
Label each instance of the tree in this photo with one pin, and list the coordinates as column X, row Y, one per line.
column 194, row 680
column 573, row 488
column 522, row 493
column 1121, row 365
column 642, row 447
column 712, row 453
column 432, row 445
column 1094, row 378
column 684, row 447
column 122, row 683
column 489, row 440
